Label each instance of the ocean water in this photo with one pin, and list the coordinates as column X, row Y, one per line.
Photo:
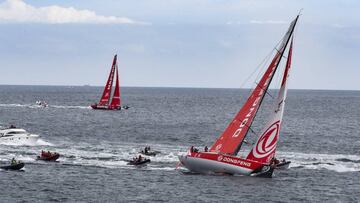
column 320, row 136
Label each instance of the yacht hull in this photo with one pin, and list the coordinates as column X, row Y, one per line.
column 97, row 107
column 206, row 163
column 20, row 139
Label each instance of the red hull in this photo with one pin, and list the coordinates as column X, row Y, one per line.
column 96, row 107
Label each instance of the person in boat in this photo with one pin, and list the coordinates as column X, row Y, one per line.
column 206, row 149
column 274, row 161
column 46, row 154
column 12, row 126
column 13, row 161
column 139, row 159
column 146, row 150
column 192, row 149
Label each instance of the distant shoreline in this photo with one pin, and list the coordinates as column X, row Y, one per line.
column 150, row 87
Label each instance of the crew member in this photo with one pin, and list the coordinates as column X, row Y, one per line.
column 13, row 161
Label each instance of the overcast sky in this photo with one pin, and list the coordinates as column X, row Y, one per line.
column 176, row 43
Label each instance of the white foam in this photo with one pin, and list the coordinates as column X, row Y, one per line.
column 161, row 168
column 70, row 107
column 331, row 162
column 110, row 155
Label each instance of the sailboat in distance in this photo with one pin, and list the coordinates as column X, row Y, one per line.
column 106, row 101
column 222, row 157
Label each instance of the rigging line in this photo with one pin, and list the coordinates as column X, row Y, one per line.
column 277, row 82
column 260, row 71
column 257, row 69
column 262, row 64
column 249, row 127
column 266, row 91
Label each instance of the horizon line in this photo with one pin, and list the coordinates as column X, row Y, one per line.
column 180, row 87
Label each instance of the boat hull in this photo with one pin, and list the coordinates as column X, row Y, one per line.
column 20, row 139
column 13, row 167
column 206, row 163
column 97, row 107
column 139, row 163
column 53, row 157
column 151, row 153
column 283, row 165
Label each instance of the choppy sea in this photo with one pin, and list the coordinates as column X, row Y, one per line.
column 320, row 135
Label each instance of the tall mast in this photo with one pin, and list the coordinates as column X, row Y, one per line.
column 288, row 34
column 230, row 140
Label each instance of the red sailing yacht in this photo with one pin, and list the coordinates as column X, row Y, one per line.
column 222, row 156
column 106, row 102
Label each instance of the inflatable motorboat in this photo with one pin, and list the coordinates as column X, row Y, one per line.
column 48, row 156
column 41, row 103
column 138, row 162
column 149, row 153
column 283, row 165
column 146, row 151
column 17, row 166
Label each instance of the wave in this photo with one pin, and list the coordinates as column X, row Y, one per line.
column 103, row 156
column 335, row 162
column 107, row 155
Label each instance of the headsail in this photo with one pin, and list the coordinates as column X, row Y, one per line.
column 116, row 102
column 265, row 147
column 230, row 141
column 104, row 101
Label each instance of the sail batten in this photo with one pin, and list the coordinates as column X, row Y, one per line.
column 231, row 139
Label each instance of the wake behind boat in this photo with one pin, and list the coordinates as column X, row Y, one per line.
column 106, row 102
column 222, row 157
column 16, row 135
